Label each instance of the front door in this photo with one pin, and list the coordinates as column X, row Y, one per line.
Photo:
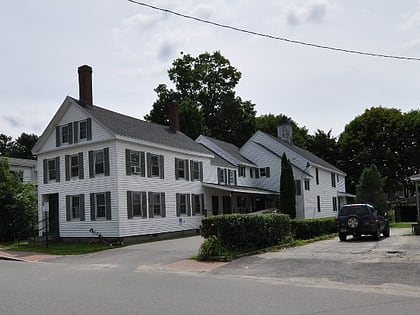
column 53, row 214
column 227, row 206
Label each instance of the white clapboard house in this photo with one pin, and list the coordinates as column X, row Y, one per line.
column 104, row 172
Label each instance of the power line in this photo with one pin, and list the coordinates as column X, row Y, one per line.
column 288, row 40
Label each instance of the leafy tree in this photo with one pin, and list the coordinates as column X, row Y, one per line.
column 269, row 122
column 5, row 144
column 17, row 203
column 22, row 146
column 204, row 88
column 375, row 137
column 370, row 187
column 287, row 188
column 325, row 146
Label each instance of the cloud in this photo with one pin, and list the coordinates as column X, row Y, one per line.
column 13, row 122
column 307, row 12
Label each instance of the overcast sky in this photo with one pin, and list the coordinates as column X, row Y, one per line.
column 130, row 49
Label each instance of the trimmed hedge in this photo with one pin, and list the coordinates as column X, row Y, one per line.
column 251, row 231
column 304, row 229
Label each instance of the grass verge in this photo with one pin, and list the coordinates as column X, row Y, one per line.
column 401, row 224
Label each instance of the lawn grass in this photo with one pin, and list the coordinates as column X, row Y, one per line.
column 401, row 224
column 56, row 248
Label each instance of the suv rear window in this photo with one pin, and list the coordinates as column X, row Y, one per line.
column 354, row 210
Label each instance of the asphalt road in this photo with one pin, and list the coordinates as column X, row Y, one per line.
column 328, row 277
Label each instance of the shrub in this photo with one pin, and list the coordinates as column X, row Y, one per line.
column 211, row 247
column 309, row 228
column 251, row 231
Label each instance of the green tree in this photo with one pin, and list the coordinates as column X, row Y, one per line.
column 22, row 146
column 268, row 123
column 17, row 203
column 325, row 146
column 6, row 144
column 370, row 187
column 375, row 137
column 287, row 188
column 204, row 88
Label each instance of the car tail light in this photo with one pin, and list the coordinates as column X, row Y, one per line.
column 372, row 220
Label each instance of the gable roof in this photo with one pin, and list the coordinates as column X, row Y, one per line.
column 127, row 127
column 229, row 149
column 305, row 154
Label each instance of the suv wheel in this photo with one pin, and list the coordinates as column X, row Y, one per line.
column 342, row 236
column 377, row 234
column 353, row 222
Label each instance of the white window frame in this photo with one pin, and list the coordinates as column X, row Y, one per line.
column 97, row 205
column 95, row 162
column 52, row 170
column 65, row 134
column 80, row 130
column 75, row 207
column 135, row 165
column 74, row 167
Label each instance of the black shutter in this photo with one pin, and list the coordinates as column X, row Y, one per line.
column 178, row 210
column 161, row 166
column 188, row 201
column 68, row 210
column 142, row 165
column 257, row 173
column 162, row 205
column 192, row 204
column 200, row 167
column 57, row 136
column 70, row 126
column 129, row 205
column 82, row 207
column 235, row 180
column 218, row 177
column 177, row 169
column 187, row 170
column 202, row 203
column 76, row 132
column 45, row 170
column 108, row 205
column 92, row 207
column 127, row 162
column 150, row 204
column 143, row 204
column 267, row 172
column 91, row 168
column 192, row 170
column 67, row 166
column 225, row 173
column 106, row 161
column 81, row 169
column 57, row 166
column 149, row 165
column 89, row 128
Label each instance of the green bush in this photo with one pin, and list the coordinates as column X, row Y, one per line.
column 211, row 247
column 250, row 231
column 310, row 228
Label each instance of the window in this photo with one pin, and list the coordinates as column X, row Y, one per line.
column 197, row 204
column 75, row 207
column 241, row 171
column 74, row 165
column 232, row 177
column 221, row 175
column 100, row 206
column 333, row 180
column 338, row 178
column 136, row 204
column 298, row 187
column 215, row 204
column 183, row 206
column 317, row 176
column 181, row 169
column 65, row 134
column 251, row 172
column 51, row 168
column 334, row 202
column 83, row 130
column 52, row 171
column 99, row 162
column 196, row 170
column 265, row 172
column 307, row 184
column 318, row 203
column 257, row 173
column 157, row 204
column 155, row 166
column 135, row 166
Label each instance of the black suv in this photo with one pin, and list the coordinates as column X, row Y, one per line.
column 358, row 219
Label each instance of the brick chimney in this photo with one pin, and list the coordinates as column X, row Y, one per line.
column 85, row 85
column 174, row 116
